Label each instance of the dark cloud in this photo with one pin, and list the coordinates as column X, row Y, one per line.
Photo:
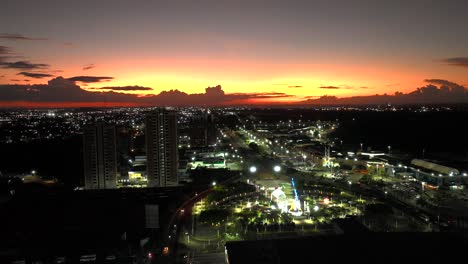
column 270, row 95
column 90, row 79
column 17, row 37
column 295, row 86
column 15, row 80
column 459, row 61
column 126, row 88
column 444, row 83
column 25, row 65
column 35, row 75
column 88, row 67
column 329, row 87
column 26, row 80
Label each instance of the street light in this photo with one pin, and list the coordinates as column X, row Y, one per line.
column 316, row 208
column 277, row 168
column 253, row 169
column 213, row 183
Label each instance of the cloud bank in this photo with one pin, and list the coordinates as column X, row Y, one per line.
column 67, row 91
column 438, row 91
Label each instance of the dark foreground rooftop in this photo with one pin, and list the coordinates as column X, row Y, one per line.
column 353, row 248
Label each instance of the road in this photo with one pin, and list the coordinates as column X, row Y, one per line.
column 183, row 215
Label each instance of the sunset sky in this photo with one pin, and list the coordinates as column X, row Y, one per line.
column 299, row 48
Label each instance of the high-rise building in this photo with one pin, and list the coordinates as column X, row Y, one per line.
column 161, row 148
column 202, row 129
column 100, row 156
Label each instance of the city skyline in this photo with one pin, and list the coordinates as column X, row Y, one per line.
column 263, row 53
column 222, row 131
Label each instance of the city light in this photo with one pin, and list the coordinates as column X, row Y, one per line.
column 253, row 169
column 277, row 168
column 316, row 208
column 166, row 251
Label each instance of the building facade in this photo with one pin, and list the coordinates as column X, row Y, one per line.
column 161, row 148
column 100, row 156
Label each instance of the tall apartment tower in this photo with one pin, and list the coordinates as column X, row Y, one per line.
column 161, row 148
column 100, row 156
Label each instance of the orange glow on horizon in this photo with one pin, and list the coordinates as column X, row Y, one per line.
column 192, row 75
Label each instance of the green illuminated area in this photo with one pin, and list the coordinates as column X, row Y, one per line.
column 243, row 211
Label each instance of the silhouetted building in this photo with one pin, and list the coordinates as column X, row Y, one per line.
column 202, row 129
column 161, row 148
column 100, row 156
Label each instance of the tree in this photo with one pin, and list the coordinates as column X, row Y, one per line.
column 213, row 216
column 366, row 179
column 253, row 146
